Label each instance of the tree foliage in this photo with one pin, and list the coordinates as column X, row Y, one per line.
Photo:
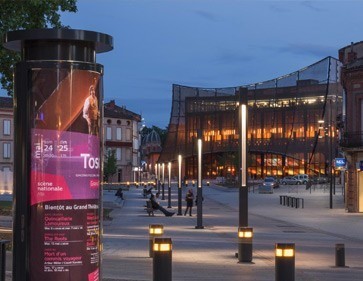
column 110, row 167
column 26, row 14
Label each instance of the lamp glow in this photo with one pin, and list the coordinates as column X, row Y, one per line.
column 179, row 169
column 199, row 163
column 285, row 250
column 245, row 234
column 156, row 229
column 163, row 247
column 243, row 108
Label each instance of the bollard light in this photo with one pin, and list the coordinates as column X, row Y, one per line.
column 208, row 183
column 285, row 252
column 162, row 261
column 155, row 230
column 245, row 232
column 186, row 183
column 162, row 245
column 284, row 262
column 245, row 236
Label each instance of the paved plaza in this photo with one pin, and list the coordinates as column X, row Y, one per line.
column 209, row 253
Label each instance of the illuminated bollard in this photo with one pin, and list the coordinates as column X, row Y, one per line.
column 284, row 262
column 162, row 270
column 186, row 183
column 339, row 255
column 245, row 236
column 155, row 230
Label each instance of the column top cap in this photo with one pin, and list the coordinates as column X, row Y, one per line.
column 13, row 40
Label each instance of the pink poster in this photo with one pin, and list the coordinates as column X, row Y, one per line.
column 65, row 176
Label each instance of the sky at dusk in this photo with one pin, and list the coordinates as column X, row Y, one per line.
column 209, row 43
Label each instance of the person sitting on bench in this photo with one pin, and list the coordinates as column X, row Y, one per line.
column 120, row 194
column 157, row 206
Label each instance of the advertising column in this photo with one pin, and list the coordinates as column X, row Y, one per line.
column 59, row 208
column 65, row 176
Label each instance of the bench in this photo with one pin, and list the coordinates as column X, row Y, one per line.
column 149, row 208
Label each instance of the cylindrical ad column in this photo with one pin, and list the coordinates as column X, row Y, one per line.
column 65, row 172
column 59, row 94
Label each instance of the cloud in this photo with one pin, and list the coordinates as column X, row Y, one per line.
column 208, row 16
column 302, row 49
column 231, row 56
column 305, row 49
column 310, row 5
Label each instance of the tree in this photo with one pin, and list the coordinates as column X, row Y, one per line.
column 110, row 167
column 26, row 14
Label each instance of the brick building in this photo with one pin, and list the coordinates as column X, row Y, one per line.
column 352, row 132
column 121, row 134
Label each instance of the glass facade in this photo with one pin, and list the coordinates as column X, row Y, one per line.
column 291, row 125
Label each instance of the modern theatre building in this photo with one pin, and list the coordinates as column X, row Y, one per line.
column 292, row 125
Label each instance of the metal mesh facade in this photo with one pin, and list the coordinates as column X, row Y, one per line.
column 291, row 124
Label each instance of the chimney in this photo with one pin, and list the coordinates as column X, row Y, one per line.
column 351, row 55
column 112, row 104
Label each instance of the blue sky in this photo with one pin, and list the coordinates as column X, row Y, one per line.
column 209, row 43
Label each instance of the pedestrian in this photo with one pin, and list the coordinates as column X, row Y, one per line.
column 189, row 198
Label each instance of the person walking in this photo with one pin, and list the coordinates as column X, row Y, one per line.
column 189, row 198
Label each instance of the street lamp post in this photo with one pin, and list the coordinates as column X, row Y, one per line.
column 199, row 184
column 331, row 157
column 245, row 243
column 159, row 174
column 156, row 175
column 179, row 186
column 163, row 182
column 243, row 191
column 169, row 185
